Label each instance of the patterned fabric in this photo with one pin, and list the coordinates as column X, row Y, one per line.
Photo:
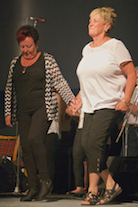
column 53, row 78
column 7, row 147
column 10, row 95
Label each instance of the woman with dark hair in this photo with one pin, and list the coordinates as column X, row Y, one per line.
column 31, row 100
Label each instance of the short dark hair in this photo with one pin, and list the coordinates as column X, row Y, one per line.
column 27, row 31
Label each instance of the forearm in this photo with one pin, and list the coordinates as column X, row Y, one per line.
column 60, row 84
column 9, row 88
column 129, row 87
column 129, row 70
column 64, row 90
column 7, row 100
column 78, row 97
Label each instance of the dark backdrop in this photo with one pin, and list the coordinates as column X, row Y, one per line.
column 64, row 34
column 65, row 31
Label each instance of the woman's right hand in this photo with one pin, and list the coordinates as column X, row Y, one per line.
column 8, row 121
column 76, row 105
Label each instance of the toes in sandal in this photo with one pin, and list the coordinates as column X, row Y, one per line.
column 111, row 194
column 91, row 198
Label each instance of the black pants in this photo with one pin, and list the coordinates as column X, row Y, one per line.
column 78, row 158
column 51, row 147
column 32, row 129
column 95, row 133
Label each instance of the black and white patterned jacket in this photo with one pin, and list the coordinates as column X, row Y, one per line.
column 53, row 78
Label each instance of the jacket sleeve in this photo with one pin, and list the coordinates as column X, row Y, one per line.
column 59, row 82
column 9, row 89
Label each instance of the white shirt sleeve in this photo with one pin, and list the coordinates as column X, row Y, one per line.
column 121, row 53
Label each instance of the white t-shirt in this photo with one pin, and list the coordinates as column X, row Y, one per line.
column 134, row 119
column 102, row 82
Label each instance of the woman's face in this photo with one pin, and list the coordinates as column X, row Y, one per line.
column 96, row 26
column 28, row 48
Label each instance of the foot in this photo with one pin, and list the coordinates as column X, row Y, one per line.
column 110, row 194
column 77, row 190
column 30, row 196
column 46, row 188
column 91, row 199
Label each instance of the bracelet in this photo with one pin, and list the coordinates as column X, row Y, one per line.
column 127, row 103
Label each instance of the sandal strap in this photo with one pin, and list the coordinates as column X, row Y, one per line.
column 111, row 193
column 113, row 189
column 91, row 198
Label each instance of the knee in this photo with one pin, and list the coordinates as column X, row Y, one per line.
column 34, row 138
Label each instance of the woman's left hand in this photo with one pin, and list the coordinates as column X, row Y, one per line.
column 76, row 105
column 121, row 106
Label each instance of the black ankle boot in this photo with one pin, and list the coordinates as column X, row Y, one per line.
column 31, row 195
column 46, row 188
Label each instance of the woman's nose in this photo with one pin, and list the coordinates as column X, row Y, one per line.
column 25, row 49
column 91, row 22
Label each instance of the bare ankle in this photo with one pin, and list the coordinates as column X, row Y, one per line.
column 94, row 191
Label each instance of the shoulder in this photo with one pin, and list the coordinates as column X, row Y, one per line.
column 86, row 48
column 50, row 61
column 121, row 53
column 115, row 45
column 117, row 42
column 48, row 56
column 14, row 60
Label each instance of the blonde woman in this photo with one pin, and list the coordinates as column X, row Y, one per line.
column 107, row 79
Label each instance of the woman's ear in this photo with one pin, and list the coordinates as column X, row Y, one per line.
column 107, row 26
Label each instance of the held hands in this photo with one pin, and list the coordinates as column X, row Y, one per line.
column 76, row 104
column 8, row 121
column 69, row 111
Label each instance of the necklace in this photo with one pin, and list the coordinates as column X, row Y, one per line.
column 24, row 70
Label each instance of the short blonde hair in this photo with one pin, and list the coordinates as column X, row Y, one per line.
column 108, row 15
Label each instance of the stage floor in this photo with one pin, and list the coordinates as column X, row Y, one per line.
column 57, row 201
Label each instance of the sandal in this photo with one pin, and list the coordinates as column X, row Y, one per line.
column 110, row 194
column 91, row 198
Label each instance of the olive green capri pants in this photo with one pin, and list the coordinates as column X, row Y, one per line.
column 95, row 133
